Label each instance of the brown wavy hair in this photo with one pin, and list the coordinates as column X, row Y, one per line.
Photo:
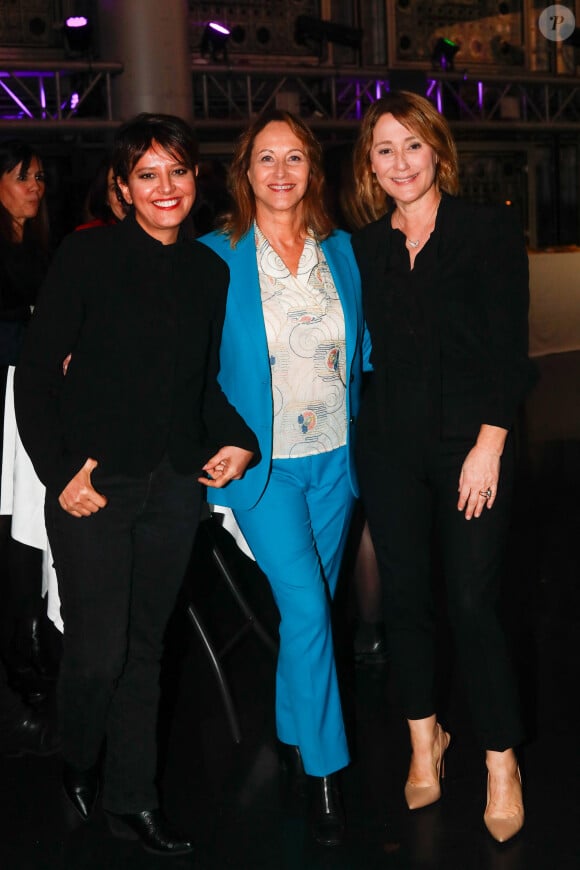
column 243, row 212
column 419, row 116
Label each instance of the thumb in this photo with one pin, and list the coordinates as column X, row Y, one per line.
column 90, row 465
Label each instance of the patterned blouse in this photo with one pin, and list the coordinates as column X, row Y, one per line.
column 306, row 342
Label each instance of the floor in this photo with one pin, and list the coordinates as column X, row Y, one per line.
column 227, row 796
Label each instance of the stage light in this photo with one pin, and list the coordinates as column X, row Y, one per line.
column 315, row 32
column 214, row 41
column 78, row 34
column 76, row 21
column 444, row 52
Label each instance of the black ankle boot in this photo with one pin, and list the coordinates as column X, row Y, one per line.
column 81, row 788
column 152, row 829
column 293, row 778
column 326, row 810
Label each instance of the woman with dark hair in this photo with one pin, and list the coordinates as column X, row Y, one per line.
column 24, row 259
column 104, row 202
column 445, row 289
column 291, row 363
column 121, row 442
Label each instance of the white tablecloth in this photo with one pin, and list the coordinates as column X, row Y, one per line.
column 22, row 496
column 554, row 302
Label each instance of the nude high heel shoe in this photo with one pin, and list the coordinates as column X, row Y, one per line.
column 418, row 796
column 503, row 827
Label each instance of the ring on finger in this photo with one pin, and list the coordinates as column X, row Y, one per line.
column 485, row 493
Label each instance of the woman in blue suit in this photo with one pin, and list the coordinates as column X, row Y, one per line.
column 291, row 363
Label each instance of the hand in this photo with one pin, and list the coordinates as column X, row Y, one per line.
column 65, row 363
column 229, row 463
column 480, row 472
column 79, row 498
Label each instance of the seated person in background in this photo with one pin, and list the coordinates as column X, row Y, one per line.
column 104, row 203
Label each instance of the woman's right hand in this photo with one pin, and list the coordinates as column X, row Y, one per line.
column 79, row 498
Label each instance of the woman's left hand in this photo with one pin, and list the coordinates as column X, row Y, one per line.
column 229, row 463
column 479, row 474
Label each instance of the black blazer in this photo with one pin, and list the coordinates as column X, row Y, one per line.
column 478, row 293
column 143, row 322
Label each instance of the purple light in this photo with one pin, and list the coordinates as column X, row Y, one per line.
column 77, row 21
column 74, row 101
column 480, row 95
column 219, row 28
column 18, row 102
column 42, row 96
column 432, row 84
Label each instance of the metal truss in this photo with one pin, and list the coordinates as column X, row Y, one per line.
column 62, row 94
column 76, row 95
column 335, row 100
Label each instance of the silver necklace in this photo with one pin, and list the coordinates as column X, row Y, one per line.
column 414, row 243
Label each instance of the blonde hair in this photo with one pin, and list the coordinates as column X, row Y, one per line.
column 419, row 116
column 239, row 220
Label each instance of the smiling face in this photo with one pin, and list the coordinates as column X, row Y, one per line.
column 162, row 190
column 404, row 165
column 279, row 170
column 21, row 192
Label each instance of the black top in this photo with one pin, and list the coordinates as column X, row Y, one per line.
column 449, row 337
column 407, row 322
column 143, row 322
column 22, row 269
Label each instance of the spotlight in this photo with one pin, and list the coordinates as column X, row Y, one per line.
column 78, row 33
column 444, row 51
column 314, row 32
column 215, row 41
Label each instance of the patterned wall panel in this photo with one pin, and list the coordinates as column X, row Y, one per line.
column 489, row 32
column 260, row 28
column 28, row 23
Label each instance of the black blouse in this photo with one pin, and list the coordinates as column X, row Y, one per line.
column 143, row 322
column 450, row 336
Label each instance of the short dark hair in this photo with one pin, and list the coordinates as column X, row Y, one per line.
column 136, row 136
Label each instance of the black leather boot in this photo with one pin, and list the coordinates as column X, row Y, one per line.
column 152, row 829
column 81, row 788
column 30, row 662
column 29, row 732
column 326, row 810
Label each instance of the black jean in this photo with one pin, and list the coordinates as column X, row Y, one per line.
column 119, row 572
column 407, row 494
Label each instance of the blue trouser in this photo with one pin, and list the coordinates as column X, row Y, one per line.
column 297, row 532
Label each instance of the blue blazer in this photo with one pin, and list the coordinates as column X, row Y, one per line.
column 245, row 375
